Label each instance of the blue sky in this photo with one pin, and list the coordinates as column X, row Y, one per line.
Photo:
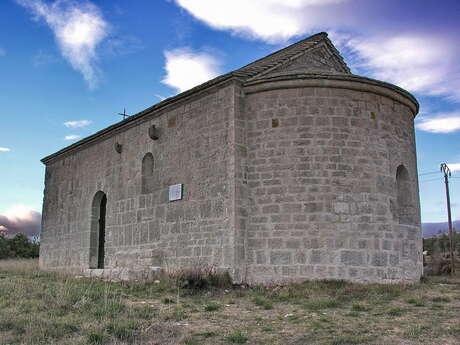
column 68, row 67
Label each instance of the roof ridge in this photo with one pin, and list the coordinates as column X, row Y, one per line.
column 242, row 74
column 283, row 55
column 289, row 47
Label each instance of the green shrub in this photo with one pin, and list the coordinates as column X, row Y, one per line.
column 264, row 303
column 18, row 246
column 418, row 302
column 352, row 314
column 212, row 307
column 322, row 303
column 237, row 338
column 96, row 338
column 122, row 329
column 396, row 311
column 168, row 300
column 359, row 307
column 205, row 334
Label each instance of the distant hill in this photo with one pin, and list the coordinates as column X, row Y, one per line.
column 432, row 229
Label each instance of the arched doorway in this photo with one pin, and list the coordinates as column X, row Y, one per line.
column 97, row 235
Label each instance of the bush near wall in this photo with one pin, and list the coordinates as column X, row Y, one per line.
column 18, row 246
column 437, row 254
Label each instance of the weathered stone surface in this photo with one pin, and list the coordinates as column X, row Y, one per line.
column 280, row 258
column 286, row 175
column 352, row 258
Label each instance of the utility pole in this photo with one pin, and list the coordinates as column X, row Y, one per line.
column 445, row 169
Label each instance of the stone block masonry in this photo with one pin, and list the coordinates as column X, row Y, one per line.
column 291, row 168
column 321, row 185
column 147, row 230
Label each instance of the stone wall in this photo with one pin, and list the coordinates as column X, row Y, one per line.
column 322, row 165
column 195, row 148
column 285, row 178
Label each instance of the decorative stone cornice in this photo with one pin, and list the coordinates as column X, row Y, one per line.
column 339, row 81
column 271, row 72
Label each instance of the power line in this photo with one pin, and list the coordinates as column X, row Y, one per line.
column 428, row 173
column 433, row 179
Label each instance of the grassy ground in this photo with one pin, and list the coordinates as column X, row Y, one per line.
column 45, row 308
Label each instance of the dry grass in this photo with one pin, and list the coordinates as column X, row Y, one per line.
column 19, row 266
column 46, row 308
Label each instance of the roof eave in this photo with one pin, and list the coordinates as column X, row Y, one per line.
column 136, row 117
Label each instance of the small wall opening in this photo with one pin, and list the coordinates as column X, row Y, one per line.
column 147, row 174
column 97, row 233
column 405, row 208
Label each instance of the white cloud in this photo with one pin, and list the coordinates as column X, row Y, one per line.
column 19, row 212
column 77, row 123
column 186, row 69
column 72, row 137
column 78, row 27
column 454, row 167
column 442, row 123
column 419, row 63
column 4, row 149
column 20, row 218
column 270, row 20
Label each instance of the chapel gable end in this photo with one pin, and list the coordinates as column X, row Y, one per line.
column 319, row 57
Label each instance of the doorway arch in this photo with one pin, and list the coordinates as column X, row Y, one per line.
column 97, row 233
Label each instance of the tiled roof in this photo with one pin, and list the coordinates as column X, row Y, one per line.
column 249, row 71
column 284, row 55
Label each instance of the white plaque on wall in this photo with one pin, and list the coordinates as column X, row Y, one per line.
column 175, row 192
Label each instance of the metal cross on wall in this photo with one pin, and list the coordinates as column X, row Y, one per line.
column 124, row 114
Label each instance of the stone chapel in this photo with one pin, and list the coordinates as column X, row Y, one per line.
column 289, row 168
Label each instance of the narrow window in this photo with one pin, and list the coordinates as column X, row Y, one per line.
column 404, row 199
column 101, row 239
column 97, row 233
column 147, row 174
